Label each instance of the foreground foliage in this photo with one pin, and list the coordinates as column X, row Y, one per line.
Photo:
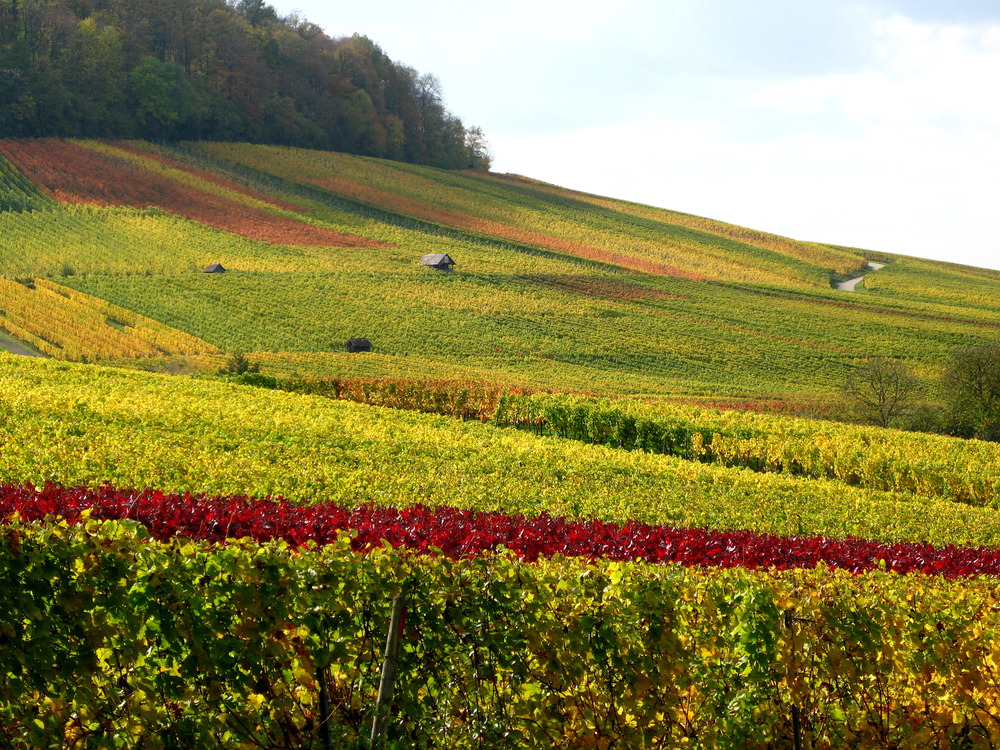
column 114, row 639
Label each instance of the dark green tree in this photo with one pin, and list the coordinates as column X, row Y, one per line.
column 256, row 12
column 163, row 97
column 971, row 388
column 220, row 70
column 238, row 364
column 19, row 109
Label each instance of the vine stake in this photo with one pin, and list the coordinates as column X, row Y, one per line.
column 389, row 665
column 324, row 709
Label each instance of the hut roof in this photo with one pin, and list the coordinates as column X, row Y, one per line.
column 437, row 259
column 214, row 268
column 359, row 345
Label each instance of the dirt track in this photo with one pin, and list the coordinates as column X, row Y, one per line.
column 11, row 345
column 851, row 284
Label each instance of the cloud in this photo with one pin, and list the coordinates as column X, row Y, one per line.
column 926, row 73
column 903, row 155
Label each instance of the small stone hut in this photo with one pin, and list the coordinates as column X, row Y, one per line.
column 359, row 345
column 439, row 261
column 214, row 268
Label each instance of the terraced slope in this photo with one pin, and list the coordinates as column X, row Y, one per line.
column 553, row 289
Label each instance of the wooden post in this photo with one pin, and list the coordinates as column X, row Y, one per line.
column 796, row 728
column 389, row 665
column 796, row 718
column 324, row 710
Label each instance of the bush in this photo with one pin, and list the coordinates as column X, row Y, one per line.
column 971, row 387
column 256, row 379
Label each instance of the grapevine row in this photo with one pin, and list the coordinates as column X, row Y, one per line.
column 79, row 425
column 524, row 214
column 73, row 174
column 115, row 638
column 928, row 465
column 463, row 533
column 68, row 324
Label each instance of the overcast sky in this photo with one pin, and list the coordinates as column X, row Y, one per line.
column 874, row 124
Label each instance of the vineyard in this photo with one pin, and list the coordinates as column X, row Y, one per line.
column 537, row 217
column 253, row 641
column 84, row 426
column 526, row 476
column 922, row 464
column 545, row 328
column 576, row 627
column 555, row 290
column 84, row 325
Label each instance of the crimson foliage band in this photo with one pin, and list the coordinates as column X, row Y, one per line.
column 459, row 533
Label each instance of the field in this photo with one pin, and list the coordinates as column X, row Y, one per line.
column 551, row 289
column 590, row 553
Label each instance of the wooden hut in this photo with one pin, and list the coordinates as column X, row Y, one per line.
column 214, row 268
column 359, row 345
column 438, row 261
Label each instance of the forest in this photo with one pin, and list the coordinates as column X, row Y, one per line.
column 224, row 70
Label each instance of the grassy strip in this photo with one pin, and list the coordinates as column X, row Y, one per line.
column 16, row 346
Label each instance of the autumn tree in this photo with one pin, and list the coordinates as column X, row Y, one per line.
column 880, row 391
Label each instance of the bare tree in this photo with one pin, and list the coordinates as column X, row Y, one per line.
column 881, row 390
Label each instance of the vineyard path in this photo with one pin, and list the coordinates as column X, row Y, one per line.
column 15, row 347
column 851, row 284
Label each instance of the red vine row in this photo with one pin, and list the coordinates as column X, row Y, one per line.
column 460, row 533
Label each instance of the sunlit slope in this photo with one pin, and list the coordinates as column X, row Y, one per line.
column 652, row 241
column 314, row 260
column 939, row 283
column 86, row 425
column 840, row 260
column 536, row 328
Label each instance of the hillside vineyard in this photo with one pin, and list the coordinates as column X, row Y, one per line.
column 587, row 454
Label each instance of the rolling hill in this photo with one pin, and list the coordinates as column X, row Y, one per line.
column 553, row 289
column 578, row 569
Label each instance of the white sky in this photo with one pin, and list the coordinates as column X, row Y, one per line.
column 873, row 124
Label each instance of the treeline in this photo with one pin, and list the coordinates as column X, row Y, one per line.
column 232, row 70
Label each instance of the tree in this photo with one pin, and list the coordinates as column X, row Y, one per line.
column 217, row 70
column 20, row 107
column 163, row 96
column 881, row 391
column 971, row 387
column 478, row 149
column 238, row 364
column 256, row 12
